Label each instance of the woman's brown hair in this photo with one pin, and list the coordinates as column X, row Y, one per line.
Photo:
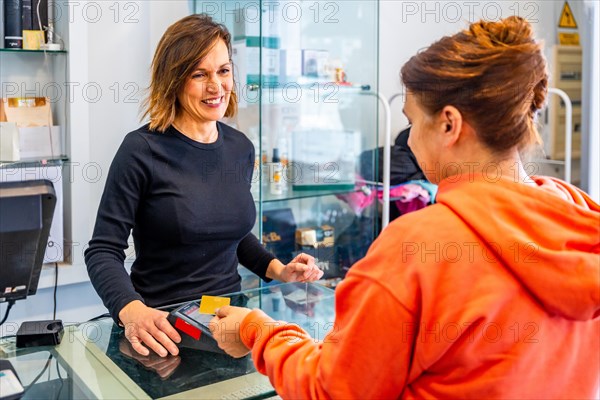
column 494, row 73
column 181, row 48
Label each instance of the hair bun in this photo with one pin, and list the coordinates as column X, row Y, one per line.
column 510, row 31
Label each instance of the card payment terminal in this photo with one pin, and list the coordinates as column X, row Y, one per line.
column 193, row 328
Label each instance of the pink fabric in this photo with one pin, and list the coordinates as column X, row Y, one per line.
column 407, row 192
column 360, row 199
column 408, row 197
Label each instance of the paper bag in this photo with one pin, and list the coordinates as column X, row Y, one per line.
column 26, row 111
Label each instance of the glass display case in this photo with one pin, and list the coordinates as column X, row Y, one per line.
column 306, row 79
column 95, row 361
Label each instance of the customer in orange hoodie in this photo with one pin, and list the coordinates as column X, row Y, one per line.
column 492, row 292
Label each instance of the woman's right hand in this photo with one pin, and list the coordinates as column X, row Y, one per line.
column 148, row 326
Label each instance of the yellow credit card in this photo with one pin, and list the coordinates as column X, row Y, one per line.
column 209, row 304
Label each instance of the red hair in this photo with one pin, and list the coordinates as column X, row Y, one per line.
column 494, row 73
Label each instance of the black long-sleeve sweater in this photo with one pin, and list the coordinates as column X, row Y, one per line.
column 191, row 210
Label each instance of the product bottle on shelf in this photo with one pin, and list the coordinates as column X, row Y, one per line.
column 264, row 161
column 276, row 180
column 284, row 160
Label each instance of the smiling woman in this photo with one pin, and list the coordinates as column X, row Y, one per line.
column 206, row 95
column 185, row 51
column 181, row 186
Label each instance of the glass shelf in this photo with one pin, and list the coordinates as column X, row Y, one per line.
column 309, row 86
column 294, row 91
column 30, row 162
column 33, row 51
column 292, row 194
column 326, row 94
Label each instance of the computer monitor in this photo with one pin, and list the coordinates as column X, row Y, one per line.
column 26, row 210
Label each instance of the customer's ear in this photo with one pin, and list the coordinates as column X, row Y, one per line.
column 451, row 124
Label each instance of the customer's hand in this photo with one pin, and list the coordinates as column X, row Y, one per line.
column 163, row 366
column 225, row 327
column 148, row 326
column 301, row 269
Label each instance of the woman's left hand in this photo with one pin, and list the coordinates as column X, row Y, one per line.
column 301, row 269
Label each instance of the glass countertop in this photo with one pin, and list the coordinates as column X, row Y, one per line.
column 97, row 361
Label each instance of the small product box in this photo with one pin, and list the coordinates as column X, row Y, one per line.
column 319, row 242
column 314, row 63
column 246, row 54
column 315, row 237
column 247, row 44
column 291, row 65
column 32, row 39
column 247, row 21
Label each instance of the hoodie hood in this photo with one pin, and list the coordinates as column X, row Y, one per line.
column 547, row 237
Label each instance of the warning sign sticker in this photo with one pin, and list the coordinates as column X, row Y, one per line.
column 568, row 39
column 567, row 20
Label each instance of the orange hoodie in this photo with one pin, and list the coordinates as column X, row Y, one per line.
column 493, row 292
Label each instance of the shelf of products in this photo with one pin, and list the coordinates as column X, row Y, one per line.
column 307, row 100
column 35, row 125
